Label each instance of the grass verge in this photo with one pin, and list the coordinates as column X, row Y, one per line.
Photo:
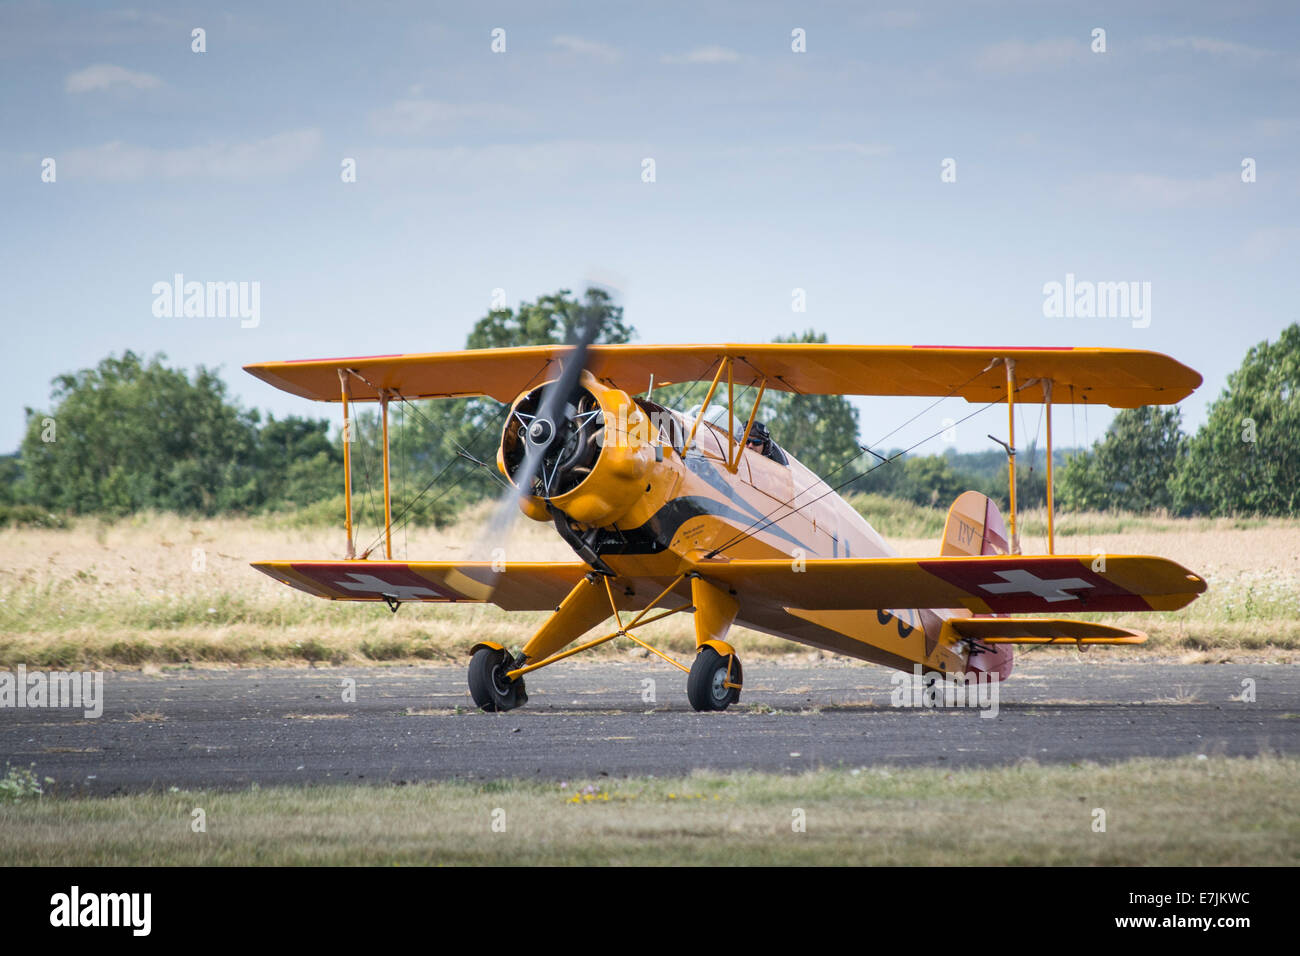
column 1183, row 812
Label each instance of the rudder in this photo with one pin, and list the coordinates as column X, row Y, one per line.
column 974, row 527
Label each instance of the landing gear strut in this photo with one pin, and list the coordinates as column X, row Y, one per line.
column 715, row 680
column 488, row 684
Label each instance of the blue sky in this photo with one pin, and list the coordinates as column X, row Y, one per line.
column 522, row 170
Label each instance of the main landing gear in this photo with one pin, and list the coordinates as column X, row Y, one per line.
column 713, row 683
column 715, row 680
column 488, row 683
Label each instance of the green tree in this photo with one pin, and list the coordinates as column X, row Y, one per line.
column 127, row 435
column 552, row 320
column 1246, row 458
column 1131, row 467
column 11, row 471
column 297, row 463
column 931, row 480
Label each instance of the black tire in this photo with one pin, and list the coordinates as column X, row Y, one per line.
column 488, row 684
column 704, row 686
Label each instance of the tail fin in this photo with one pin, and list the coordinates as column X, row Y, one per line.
column 974, row 527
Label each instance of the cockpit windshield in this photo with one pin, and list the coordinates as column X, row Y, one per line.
column 760, row 441
column 717, row 416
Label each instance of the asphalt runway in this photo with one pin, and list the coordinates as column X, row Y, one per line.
column 227, row 729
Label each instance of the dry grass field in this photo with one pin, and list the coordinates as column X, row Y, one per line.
column 166, row 590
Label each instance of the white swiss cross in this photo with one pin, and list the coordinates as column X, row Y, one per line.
column 402, row 592
column 1024, row 582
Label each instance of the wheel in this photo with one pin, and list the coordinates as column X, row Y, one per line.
column 488, row 684
column 706, row 686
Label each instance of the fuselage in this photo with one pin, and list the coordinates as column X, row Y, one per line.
column 714, row 500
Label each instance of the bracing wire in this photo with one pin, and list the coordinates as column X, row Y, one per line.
column 763, row 523
column 848, row 481
column 367, row 498
column 403, row 442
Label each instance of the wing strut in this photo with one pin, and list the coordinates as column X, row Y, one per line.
column 1010, row 445
column 388, row 501
column 734, row 464
column 724, row 365
column 347, row 462
column 1011, row 451
column 1051, row 533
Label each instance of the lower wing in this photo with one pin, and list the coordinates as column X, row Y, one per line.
column 988, row 584
column 992, row 584
column 514, row 585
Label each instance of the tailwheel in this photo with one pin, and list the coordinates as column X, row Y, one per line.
column 488, row 684
column 714, row 681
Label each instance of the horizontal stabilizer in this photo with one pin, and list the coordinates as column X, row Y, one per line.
column 1040, row 630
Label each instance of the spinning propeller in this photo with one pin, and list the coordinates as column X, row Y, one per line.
column 552, row 438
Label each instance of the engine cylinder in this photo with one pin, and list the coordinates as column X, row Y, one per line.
column 590, row 462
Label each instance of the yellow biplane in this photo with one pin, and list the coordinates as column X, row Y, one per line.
column 703, row 512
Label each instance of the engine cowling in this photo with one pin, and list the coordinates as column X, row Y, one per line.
column 593, row 458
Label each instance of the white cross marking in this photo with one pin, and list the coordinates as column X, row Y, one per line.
column 1020, row 581
column 402, row 592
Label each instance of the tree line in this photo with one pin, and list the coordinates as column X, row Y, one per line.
column 1245, row 459
column 133, row 434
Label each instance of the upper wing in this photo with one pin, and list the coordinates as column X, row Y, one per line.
column 1122, row 378
column 516, row 586
column 1002, row 584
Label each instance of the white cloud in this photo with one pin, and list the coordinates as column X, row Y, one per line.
column 1169, row 192
column 1272, row 241
column 599, row 51
column 704, row 54
column 893, row 19
column 860, row 149
column 1207, row 45
column 1017, row 56
column 1276, row 126
column 105, row 76
column 415, row 116
column 123, row 162
column 475, row 166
